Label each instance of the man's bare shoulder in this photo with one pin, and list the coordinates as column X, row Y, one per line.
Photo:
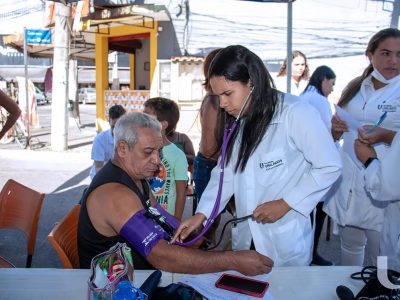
column 116, row 202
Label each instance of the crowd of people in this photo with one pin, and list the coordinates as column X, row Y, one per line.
column 284, row 159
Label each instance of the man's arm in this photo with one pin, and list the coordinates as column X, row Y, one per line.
column 13, row 110
column 176, row 259
column 118, row 206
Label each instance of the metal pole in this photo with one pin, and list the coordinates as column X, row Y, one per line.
column 394, row 22
column 289, row 47
column 27, row 123
column 59, row 113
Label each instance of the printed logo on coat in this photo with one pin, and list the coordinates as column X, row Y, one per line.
column 387, row 107
column 271, row 164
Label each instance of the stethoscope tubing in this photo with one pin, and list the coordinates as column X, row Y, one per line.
column 228, row 132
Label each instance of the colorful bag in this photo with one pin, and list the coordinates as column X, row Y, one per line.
column 107, row 270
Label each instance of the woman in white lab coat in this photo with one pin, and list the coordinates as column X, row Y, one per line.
column 359, row 216
column 382, row 182
column 316, row 93
column 274, row 164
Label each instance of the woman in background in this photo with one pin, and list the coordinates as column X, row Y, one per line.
column 300, row 74
column 316, row 93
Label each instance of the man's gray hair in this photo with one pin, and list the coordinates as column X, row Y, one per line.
column 127, row 126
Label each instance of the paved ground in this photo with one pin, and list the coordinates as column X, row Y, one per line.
column 64, row 175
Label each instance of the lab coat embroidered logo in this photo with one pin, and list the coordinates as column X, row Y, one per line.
column 272, row 164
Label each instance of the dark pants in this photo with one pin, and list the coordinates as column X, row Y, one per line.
column 319, row 223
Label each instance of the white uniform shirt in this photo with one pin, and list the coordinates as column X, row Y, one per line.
column 351, row 205
column 382, row 181
column 296, row 161
column 102, row 149
column 281, row 85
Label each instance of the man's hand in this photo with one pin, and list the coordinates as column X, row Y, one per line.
column 251, row 263
column 363, row 151
column 186, row 227
column 271, row 211
column 338, row 127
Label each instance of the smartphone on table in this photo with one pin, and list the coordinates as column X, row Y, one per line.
column 243, row 285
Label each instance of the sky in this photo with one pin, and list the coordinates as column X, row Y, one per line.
column 13, row 15
column 322, row 28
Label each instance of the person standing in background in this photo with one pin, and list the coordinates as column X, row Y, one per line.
column 13, row 112
column 206, row 158
column 169, row 185
column 367, row 98
column 183, row 142
column 103, row 144
column 300, row 74
column 316, row 93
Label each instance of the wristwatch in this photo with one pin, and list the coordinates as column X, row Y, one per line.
column 368, row 161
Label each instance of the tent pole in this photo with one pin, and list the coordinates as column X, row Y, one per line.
column 289, row 47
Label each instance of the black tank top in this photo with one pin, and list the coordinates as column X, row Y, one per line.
column 91, row 242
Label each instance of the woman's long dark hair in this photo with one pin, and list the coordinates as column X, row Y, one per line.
column 237, row 63
column 354, row 86
column 318, row 77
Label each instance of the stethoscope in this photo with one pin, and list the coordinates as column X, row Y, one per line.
column 228, row 132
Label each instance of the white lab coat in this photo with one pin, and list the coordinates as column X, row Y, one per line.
column 351, row 204
column 382, row 181
column 320, row 103
column 296, row 161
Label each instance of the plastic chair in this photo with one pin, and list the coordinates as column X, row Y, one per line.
column 4, row 263
column 20, row 208
column 64, row 238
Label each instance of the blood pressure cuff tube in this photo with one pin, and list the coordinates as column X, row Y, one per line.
column 142, row 233
column 173, row 222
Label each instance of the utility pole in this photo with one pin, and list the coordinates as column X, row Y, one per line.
column 394, row 22
column 59, row 112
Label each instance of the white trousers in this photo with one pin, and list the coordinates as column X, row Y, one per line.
column 359, row 247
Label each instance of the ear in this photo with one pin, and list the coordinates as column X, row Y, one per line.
column 122, row 148
column 369, row 55
column 164, row 125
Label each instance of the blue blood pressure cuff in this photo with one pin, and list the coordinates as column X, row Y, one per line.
column 145, row 228
column 143, row 232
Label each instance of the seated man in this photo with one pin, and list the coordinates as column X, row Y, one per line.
column 103, row 144
column 119, row 208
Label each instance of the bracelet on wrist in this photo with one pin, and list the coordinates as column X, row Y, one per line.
column 369, row 161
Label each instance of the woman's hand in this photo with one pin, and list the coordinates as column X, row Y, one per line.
column 186, row 227
column 363, row 151
column 271, row 211
column 378, row 135
column 338, row 127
